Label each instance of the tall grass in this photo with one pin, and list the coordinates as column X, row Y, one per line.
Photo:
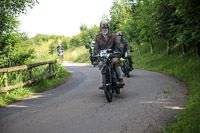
column 79, row 54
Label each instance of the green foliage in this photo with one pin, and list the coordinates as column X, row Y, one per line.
column 22, row 92
column 52, row 48
column 176, row 21
column 11, row 50
column 66, row 43
column 78, row 54
column 14, row 52
column 83, row 27
column 1, row 80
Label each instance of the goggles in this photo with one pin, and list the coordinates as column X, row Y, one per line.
column 119, row 34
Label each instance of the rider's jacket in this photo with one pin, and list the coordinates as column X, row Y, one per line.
column 91, row 49
column 59, row 49
column 125, row 43
column 112, row 42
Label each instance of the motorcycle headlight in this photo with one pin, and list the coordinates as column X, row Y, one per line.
column 103, row 60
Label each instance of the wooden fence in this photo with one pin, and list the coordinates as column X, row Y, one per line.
column 5, row 71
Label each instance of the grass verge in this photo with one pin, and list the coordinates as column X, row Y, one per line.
column 23, row 92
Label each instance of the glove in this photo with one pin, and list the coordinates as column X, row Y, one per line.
column 130, row 49
column 121, row 51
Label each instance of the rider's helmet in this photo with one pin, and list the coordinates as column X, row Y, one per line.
column 119, row 34
column 93, row 42
column 104, row 24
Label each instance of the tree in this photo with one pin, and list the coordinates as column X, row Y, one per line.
column 188, row 28
column 83, row 27
column 163, row 18
column 10, row 39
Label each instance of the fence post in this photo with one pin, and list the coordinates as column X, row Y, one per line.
column 5, row 79
column 53, row 66
column 49, row 68
column 31, row 75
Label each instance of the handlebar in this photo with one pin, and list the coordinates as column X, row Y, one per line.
column 107, row 53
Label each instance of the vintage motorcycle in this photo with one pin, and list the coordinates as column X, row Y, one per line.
column 94, row 60
column 110, row 78
column 125, row 65
column 60, row 54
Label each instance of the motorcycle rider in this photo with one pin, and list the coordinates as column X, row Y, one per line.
column 60, row 50
column 108, row 40
column 91, row 50
column 127, row 46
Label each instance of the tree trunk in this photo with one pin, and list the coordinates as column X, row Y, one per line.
column 168, row 47
column 151, row 43
column 183, row 48
column 138, row 44
column 139, row 50
column 198, row 49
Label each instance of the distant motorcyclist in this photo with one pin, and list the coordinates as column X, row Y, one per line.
column 60, row 51
column 127, row 47
column 108, row 40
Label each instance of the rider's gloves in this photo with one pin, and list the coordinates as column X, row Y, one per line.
column 130, row 49
column 121, row 51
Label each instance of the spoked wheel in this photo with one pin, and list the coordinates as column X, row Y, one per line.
column 107, row 89
column 126, row 67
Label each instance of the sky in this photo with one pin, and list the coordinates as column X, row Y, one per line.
column 63, row 17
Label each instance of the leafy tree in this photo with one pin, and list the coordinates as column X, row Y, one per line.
column 83, row 27
column 188, row 28
column 11, row 51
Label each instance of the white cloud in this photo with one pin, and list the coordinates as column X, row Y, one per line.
column 63, row 17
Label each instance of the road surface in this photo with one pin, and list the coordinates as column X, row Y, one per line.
column 78, row 106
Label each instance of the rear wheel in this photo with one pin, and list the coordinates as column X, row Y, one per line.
column 107, row 88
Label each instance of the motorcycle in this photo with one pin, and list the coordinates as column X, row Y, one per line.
column 110, row 78
column 125, row 65
column 94, row 60
column 60, row 54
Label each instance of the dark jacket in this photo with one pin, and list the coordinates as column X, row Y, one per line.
column 111, row 43
column 126, row 44
column 59, row 49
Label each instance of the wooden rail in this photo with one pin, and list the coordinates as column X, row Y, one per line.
column 5, row 71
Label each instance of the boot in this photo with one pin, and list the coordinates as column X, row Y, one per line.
column 121, row 81
column 101, row 87
column 131, row 66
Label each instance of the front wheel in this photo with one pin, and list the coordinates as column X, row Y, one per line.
column 106, row 87
column 126, row 69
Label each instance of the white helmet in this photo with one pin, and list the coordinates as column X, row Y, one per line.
column 93, row 42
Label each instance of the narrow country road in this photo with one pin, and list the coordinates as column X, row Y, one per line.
column 78, row 106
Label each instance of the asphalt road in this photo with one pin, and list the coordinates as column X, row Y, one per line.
column 78, row 106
